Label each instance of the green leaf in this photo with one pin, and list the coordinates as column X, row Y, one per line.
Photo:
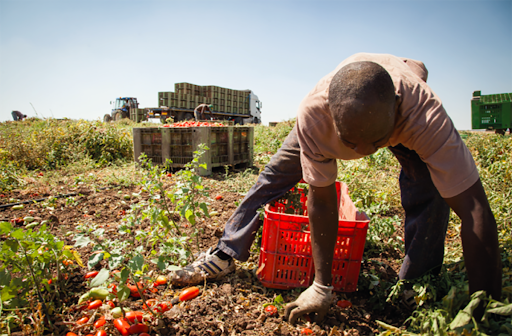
column 82, row 241
column 124, row 275
column 173, row 268
column 18, row 234
column 205, row 209
column 5, row 227
column 503, row 310
column 115, row 261
column 136, row 263
column 464, row 316
column 123, row 292
column 100, row 278
column 5, row 277
column 94, row 260
column 7, row 293
column 12, row 244
column 189, row 215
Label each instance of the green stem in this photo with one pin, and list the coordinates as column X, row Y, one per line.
column 141, row 293
column 37, row 283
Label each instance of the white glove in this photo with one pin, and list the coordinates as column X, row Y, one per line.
column 316, row 299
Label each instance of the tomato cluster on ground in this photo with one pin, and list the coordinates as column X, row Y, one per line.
column 194, row 124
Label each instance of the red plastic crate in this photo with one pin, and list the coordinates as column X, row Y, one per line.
column 285, row 256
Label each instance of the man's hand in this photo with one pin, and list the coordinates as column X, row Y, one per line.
column 316, row 299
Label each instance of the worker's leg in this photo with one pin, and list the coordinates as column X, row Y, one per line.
column 14, row 116
column 197, row 115
column 280, row 175
column 426, row 216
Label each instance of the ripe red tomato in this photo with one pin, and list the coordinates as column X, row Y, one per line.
column 91, row 274
column 306, row 331
column 83, row 320
column 133, row 289
column 71, row 334
column 100, row 322
column 189, row 293
column 144, row 334
column 134, row 316
column 111, row 304
column 218, row 197
column 271, row 310
column 138, row 328
column 101, row 333
column 122, row 325
column 95, row 304
column 163, row 307
column 344, row 304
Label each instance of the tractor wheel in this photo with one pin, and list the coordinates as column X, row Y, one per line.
column 239, row 121
column 500, row 131
column 256, row 121
column 107, row 118
column 188, row 116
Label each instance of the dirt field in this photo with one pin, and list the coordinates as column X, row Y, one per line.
column 231, row 306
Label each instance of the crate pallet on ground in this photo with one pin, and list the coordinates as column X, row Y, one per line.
column 285, row 256
column 150, row 141
column 179, row 144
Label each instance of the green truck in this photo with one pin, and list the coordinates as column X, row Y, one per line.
column 491, row 112
column 240, row 106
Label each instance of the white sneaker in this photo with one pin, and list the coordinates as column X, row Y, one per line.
column 207, row 266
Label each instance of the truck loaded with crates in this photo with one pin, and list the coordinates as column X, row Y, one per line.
column 491, row 112
column 239, row 106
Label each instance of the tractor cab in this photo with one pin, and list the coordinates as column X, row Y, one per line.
column 121, row 108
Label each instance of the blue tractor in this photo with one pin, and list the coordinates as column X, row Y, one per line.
column 122, row 108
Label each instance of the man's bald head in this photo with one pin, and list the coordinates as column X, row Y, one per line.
column 362, row 102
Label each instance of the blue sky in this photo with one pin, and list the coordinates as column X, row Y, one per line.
column 71, row 58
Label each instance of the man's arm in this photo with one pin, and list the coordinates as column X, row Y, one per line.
column 323, row 224
column 479, row 240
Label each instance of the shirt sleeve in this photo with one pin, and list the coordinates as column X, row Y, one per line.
column 430, row 132
column 318, row 169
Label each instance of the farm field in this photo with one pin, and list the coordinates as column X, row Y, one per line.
column 72, row 201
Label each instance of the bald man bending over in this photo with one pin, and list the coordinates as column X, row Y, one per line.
column 368, row 102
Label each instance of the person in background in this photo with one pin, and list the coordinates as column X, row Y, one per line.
column 18, row 116
column 200, row 110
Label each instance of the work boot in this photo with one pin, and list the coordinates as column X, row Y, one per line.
column 207, row 265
